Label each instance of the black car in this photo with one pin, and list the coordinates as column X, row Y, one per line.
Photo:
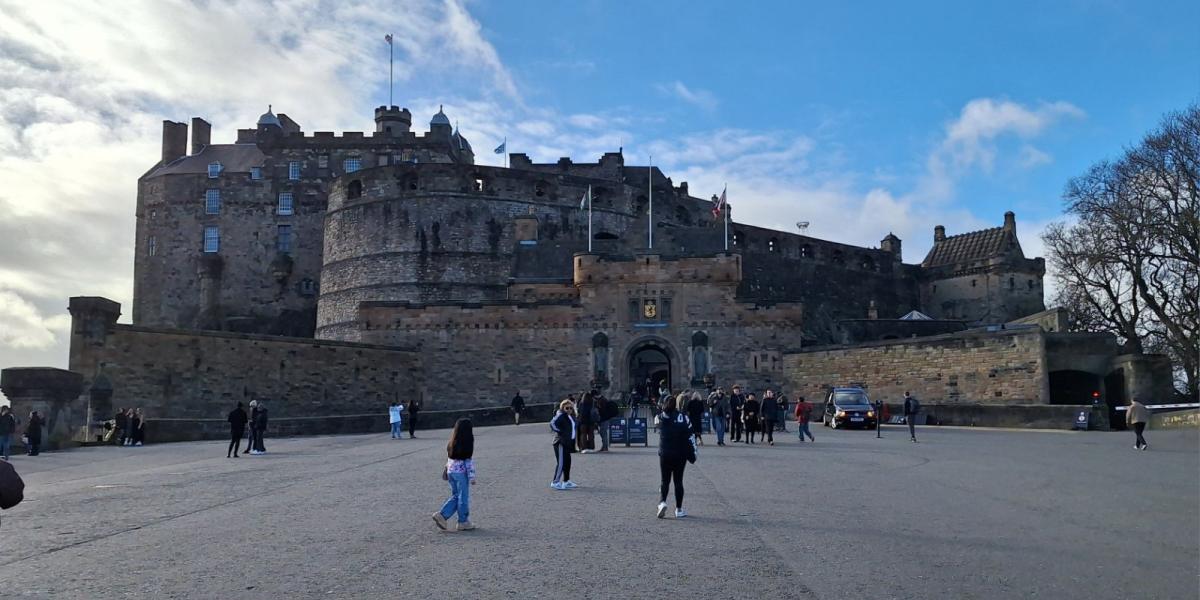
column 848, row 407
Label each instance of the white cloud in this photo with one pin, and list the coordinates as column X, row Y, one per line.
column 697, row 97
column 1032, row 157
column 24, row 327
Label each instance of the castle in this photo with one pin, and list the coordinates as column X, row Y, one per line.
column 341, row 271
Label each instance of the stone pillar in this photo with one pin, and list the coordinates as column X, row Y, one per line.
column 54, row 393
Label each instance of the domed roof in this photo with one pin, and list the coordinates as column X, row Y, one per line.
column 269, row 118
column 463, row 144
column 440, row 118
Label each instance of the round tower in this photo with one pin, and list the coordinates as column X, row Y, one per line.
column 392, row 120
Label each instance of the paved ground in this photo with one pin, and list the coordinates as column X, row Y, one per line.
column 964, row 514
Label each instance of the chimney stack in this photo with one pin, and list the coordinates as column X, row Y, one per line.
column 201, row 134
column 174, row 141
column 939, row 234
column 1010, row 221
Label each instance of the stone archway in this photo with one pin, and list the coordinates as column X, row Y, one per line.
column 653, row 359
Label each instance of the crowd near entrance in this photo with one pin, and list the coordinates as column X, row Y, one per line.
column 650, row 362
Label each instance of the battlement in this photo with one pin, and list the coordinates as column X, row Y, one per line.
column 598, row 269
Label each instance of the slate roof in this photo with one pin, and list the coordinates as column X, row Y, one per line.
column 967, row 247
column 234, row 158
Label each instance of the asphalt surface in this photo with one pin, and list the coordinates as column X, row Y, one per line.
column 963, row 514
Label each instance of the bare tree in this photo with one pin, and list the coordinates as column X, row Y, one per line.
column 1130, row 260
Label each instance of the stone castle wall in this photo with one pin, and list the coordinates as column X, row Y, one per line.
column 190, row 375
column 1001, row 367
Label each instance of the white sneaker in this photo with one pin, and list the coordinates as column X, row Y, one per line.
column 662, row 509
column 679, row 513
column 558, row 486
column 584, row 451
column 570, row 485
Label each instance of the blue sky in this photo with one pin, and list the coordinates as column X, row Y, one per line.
column 862, row 118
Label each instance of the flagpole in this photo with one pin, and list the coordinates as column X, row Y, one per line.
column 391, row 69
column 650, row 192
column 505, row 144
column 589, row 199
column 726, row 207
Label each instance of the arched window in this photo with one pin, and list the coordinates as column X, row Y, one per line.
column 354, row 190
column 699, row 355
column 600, row 357
column 772, row 245
column 806, row 251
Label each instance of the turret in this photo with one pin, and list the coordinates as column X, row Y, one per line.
column 439, row 125
column 268, row 129
column 392, row 120
column 891, row 243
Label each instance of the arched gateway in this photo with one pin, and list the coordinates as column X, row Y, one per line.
column 650, row 359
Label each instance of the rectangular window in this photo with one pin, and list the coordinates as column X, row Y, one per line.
column 351, row 165
column 212, row 202
column 212, row 239
column 256, row 173
column 214, row 170
column 283, row 239
column 152, row 246
column 285, row 203
column 323, row 161
column 294, row 170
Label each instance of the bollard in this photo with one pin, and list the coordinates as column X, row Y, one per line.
column 878, row 418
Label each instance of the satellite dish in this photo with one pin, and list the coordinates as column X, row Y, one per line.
column 801, row 225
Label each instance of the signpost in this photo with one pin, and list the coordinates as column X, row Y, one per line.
column 637, row 433
column 617, row 432
column 1082, row 418
column 706, row 423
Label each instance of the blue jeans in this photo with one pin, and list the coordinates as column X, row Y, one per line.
column 396, row 430
column 5, row 444
column 802, row 429
column 460, row 497
column 719, row 425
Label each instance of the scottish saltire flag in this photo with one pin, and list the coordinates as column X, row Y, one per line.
column 719, row 205
column 587, row 197
column 502, row 147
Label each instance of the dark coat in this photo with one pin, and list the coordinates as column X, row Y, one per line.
column 34, row 429
column 674, row 436
column 8, row 424
column 564, row 430
column 736, row 401
column 237, row 419
column 770, row 409
column 260, row 419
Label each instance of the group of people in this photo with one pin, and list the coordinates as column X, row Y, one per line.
column 127, row 427
column 8, row 428
column 252, row 426
column 396, row 418
column 744, row 415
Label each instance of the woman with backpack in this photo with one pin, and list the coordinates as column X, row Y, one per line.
column 460, row 474
column 675, row 449
column 565, row 431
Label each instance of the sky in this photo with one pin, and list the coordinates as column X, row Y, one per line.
column 862, row 118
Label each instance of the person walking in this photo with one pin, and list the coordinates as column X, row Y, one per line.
column 137, row 435
column 237, row 428
column 695, row 414
column 414, row 408
column 803, row 416
column 260, row 429
column 460, row 474
column 751, row 413
column 635, row 402
column 675, row 449
column 33, row 432
column 736, row 402
column 586, row 440
column 1137, row 416
column 395, row 419
column 783, row 411
column 718, row 407
column 564, row 427
column 121, row 421
column 8, row 426
column 770, row 416
column 912, row 406
column 518, row 407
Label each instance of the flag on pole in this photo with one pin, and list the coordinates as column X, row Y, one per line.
column 718, row 205
column 587, row 198
column 502, row 147
column 388, row 38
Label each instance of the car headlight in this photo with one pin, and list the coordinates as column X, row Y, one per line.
column 870, row 413
column 840, row 413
